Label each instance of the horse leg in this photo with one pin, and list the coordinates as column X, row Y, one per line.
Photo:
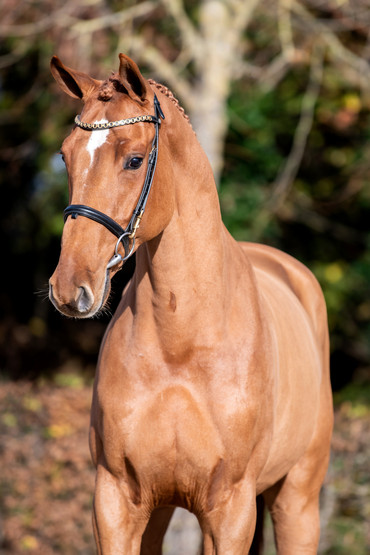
column 95, row 530
column 295, row 516
column 294, row 503
column 154, row 532
column 118, row 524
column 229, row 527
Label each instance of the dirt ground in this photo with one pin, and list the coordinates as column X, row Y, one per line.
column 47, row 479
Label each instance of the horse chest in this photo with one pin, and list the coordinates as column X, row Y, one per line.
column 177, row 425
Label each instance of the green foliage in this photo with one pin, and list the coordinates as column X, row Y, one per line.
column 324, row 219
column 252, row 151
column 354, row 395
column 252, row 160
column 348, row 534
column 49, row 197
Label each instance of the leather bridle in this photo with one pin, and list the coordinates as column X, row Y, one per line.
column 127, row 235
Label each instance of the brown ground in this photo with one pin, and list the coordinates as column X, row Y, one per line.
column 47, row 479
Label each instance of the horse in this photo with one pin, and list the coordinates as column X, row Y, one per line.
column 212, row 389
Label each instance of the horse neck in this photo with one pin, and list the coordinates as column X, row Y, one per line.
column 181, row 275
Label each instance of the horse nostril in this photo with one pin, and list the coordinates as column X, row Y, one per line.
column 51, row 296
column 84, row 300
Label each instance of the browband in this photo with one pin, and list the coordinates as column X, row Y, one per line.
column 110, row 124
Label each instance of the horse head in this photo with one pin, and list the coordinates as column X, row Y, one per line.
column 110, row 157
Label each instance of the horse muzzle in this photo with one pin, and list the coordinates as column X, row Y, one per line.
column 78, row 301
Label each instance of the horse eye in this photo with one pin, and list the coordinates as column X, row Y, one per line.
column 134, row 163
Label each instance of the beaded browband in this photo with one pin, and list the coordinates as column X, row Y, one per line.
column 110, row 124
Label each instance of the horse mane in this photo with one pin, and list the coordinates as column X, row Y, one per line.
column 113, row 84
column 166, row 91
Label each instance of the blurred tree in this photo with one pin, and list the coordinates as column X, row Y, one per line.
column 278, row 93
column 199, row 48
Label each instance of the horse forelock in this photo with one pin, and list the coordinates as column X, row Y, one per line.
column 109, row 87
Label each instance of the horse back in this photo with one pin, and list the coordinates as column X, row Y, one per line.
column 295, row 277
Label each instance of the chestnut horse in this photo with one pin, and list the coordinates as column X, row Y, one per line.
column 212, row 388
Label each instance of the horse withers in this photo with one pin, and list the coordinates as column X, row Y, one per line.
column 212, row 388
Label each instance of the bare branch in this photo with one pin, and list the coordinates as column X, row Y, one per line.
column 58, row 17
column 336, row 48
column 166, row 70
column 274, row 72
column 285, row 29
column 61, row 18
column 288, row 173
column 246, row 69
column 268, row 76
column 189, row 35
column 242, row 14
column 113, row 19
column 302, row 212
column 17, row 53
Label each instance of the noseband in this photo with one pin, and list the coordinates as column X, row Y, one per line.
column 126, row 235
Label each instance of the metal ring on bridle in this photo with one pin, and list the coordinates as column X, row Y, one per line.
column 119, row 240
column 117, row 258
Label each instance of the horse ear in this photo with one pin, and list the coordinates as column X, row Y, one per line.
column 74, row 83
column 131, row 78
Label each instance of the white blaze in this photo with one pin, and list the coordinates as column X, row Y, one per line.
column 97, row 139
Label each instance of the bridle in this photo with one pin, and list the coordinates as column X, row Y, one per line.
column 127, row 235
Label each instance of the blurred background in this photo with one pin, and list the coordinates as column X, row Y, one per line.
column 278, row 93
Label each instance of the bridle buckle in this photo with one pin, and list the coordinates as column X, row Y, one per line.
column 136, row 225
